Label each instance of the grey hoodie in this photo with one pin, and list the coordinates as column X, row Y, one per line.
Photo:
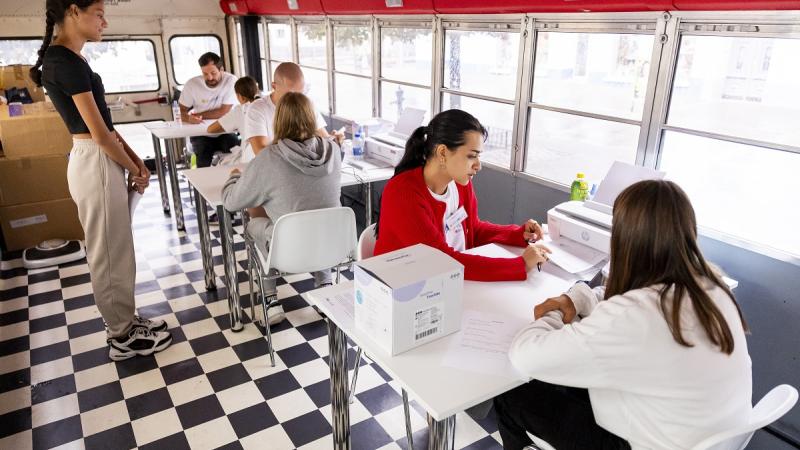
column 287, row 177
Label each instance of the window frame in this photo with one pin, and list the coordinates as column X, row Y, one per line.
column 172, row 58
column 369, row 25
column 268, row 52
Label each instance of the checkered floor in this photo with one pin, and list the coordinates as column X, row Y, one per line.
column 212, row 388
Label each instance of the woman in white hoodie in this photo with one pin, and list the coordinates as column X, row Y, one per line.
column 655, row 359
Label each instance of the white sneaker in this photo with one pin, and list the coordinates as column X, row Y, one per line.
column 151, row 325
column 276, row 314
column 139, row 341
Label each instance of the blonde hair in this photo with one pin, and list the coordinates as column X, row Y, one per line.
column 295, row 118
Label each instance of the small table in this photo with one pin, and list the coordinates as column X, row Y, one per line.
column 173, row 135
column 207, row 183
column 441, row 390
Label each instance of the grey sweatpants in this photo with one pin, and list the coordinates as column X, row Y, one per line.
column 97, row 185
column 260, row 229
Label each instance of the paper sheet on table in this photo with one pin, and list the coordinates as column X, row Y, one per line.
column 492, row 251
column 342, row 307
column 133, row 201
column 483, row 342
column 572, row 256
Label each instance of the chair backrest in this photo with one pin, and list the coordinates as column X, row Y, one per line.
column 772, row 407
column 366, row 243
column 309, row 241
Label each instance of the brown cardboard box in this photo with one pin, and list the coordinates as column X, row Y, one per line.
column 31, row 180
column 38, row 131
column 18, row 76
column 27, row 225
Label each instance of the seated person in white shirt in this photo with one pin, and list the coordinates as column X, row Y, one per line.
column 247, row 91
column 655, row 359
column 258, row 128
column 208, row 96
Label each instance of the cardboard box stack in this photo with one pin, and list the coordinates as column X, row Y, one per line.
column 35, row 204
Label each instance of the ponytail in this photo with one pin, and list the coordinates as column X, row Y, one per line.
column 50, row 25
column 416, row 151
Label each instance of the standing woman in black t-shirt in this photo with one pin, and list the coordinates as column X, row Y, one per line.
column 96, row 173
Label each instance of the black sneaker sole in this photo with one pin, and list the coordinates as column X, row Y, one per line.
column 143, row 352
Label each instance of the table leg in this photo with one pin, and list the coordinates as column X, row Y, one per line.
column 368, row 203
column 231, row 278
column 205, row 240
column 441, row 433
column 340, row 407
column 162, row 182
column 172, row 153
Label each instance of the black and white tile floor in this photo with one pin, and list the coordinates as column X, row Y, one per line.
column 212, row 388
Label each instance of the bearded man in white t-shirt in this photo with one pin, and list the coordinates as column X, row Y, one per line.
column 209, row 96
column 288, row 77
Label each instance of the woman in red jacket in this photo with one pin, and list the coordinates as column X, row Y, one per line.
column 430, row 201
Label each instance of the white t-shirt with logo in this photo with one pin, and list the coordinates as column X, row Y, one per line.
column 260, row 118
column 234, row 121
column 453, row 231
column 199, row 97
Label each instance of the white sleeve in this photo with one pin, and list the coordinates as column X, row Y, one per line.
column 232, row 121
column 590, row 353
column 255, row 122
column 187, row 95
column 585, row 298
column 230, row 93
column 320, row 120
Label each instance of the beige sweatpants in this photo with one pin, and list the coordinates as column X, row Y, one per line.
column 98, row 186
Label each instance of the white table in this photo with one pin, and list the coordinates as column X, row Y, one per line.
column 173, row 135
column 442, row 391
column 207, row 183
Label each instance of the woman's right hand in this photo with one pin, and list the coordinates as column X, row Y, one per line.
column 534, row 254
column 561, row 303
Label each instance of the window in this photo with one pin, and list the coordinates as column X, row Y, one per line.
column 19, row 51
column 352, row 49
column 731, row 139
column 586, row 103
column 125, row 66
column 312, row 53
column 484, row 63
column 279, row 43
column 406, row 58
column 186, row 50
column 240, row 47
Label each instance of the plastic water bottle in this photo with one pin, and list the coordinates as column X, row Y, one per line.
column 358, row 144
column 176, row 113
column 579, row 190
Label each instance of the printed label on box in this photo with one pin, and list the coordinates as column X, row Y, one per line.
column 427, row 321
column 28, row 221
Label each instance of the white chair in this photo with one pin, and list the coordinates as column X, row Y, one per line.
column 305, row 241
column 366, row 243
column 770, row 408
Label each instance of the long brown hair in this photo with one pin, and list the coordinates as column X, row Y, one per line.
column 654, row 241
column 295, row 118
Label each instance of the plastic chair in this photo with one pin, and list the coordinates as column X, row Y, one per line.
column 366, row 243
column 305, row 241
column 770, row 408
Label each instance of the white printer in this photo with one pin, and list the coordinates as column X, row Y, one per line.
column 390, row 147
column 590, row 222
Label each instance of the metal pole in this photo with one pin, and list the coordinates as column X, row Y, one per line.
column 407, row 412
column 162, row 182
column 205, row 240
column 442, row 433
column 368, row 203
column 172, row 152
column 231, row 279
column 340, row 409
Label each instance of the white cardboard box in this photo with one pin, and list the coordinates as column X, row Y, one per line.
column 408, row 297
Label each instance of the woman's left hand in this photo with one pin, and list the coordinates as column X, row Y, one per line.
column 561, row 303
column 143, row 178
column 133, row 185
column 533, row 231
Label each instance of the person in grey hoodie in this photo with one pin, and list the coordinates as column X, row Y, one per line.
column 299, row 171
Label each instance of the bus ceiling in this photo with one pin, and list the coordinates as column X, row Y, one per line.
column 351, row 7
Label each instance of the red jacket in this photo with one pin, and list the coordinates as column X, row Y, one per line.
column 410, row 215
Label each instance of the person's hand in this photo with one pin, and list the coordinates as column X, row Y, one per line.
column 561, row 303
column 133, row 185
column 143, row 178
column 338, row 135
column 235, row 171
column 534, row 254
column 194, row 118
column 533, row 231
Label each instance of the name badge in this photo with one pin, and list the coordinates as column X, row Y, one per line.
column 455, row 219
